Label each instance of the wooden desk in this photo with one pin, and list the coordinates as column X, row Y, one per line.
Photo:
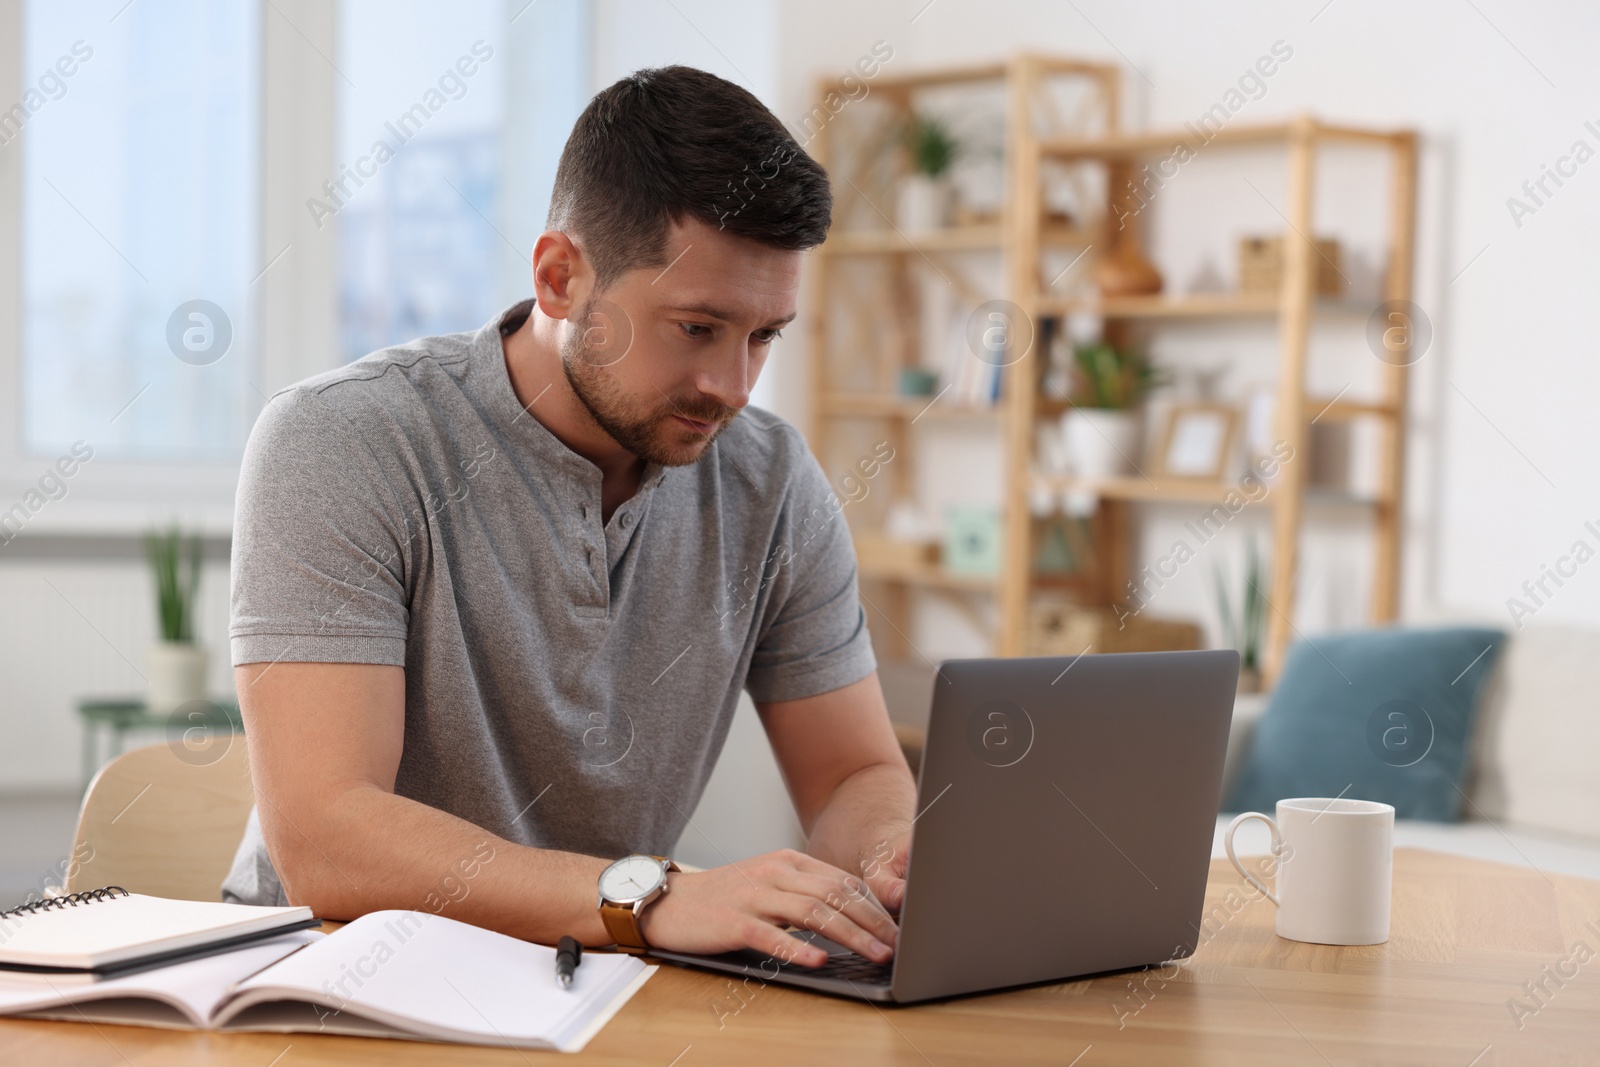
column 1466, row 935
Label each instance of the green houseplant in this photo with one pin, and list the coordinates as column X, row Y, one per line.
column 1242, row 628
column 1112, row 378
column 1101, row 429
column 926, row 197
column 931, row 145
column 176, row 664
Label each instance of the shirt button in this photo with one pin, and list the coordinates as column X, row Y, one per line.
column 627, row 520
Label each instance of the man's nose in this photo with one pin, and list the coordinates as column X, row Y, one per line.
column 728, row 381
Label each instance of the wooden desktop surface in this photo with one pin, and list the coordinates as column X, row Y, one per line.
column 1466, row 935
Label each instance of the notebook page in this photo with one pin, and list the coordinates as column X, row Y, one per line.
column 444, row 980
column 115, row 929
column 182, row 995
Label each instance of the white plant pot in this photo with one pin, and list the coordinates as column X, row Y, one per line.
column 923, row 203
column 1100, row 442
column 176, row 673
column 1050, row 450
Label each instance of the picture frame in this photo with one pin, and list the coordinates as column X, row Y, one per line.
column 1197, row 441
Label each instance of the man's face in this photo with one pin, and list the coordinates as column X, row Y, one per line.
column 666, row 357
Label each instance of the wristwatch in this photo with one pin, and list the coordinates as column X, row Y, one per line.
column 626, row 887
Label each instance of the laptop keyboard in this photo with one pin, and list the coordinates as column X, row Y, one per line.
column 849, row 966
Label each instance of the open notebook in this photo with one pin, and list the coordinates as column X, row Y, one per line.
column 400, row 974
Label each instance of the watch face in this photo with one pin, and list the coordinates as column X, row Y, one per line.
column 631, row 878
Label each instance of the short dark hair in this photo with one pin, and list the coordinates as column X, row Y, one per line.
column 666, row 143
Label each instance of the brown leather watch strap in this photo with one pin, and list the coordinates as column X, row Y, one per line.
column 623, row 925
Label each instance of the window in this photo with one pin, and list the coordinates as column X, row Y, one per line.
column 138, row 131
column 451, row 120
column 151, row 260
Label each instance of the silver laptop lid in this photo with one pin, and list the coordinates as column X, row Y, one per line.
column 1066, row 811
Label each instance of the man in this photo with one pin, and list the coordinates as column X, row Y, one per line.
column 495, row 594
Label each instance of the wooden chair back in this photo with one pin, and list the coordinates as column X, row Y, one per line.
column 164, row 820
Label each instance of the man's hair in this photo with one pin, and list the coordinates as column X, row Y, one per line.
column 669, row 143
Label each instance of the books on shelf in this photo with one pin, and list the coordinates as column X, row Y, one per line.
column 974, row 356
column 395, row 974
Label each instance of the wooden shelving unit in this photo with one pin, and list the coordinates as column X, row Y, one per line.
column 1026, row 82
column 1294, row 306
column 1020, row 238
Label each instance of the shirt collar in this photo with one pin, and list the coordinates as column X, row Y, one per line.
column 519, row 423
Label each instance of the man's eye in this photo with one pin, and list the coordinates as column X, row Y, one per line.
column 690, row 328
column 766, row 337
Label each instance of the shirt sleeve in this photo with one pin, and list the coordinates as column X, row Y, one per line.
column 814, row 637
column 320, row 545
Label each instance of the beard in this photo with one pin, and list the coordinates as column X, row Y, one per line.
column 646, row 430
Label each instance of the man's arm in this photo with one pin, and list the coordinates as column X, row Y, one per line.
column 849, row 781
column 325, row 743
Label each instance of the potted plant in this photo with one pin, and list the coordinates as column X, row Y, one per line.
column 926, row 197
column 1101, row 429
column 1243, row 630
column 176, row 665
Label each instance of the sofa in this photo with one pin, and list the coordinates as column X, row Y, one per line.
column 1533, row 783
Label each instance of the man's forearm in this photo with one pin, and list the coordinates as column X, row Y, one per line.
column 866, row 813
column 373, row 850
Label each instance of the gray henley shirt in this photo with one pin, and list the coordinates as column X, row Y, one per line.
column 568, row 684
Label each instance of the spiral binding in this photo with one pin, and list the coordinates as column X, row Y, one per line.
column 88, row 896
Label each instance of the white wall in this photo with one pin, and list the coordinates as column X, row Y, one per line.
column 79, row 616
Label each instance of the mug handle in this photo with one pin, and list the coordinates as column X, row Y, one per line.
column 1277, row 847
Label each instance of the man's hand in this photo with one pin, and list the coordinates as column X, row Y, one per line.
column 850, row 784
column 883, row 866
column 749, row 905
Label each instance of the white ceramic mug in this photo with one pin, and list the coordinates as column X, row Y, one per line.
column 1335, row 869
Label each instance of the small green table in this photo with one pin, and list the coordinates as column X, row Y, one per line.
column 107, row 715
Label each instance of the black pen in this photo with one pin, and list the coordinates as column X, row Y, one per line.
column 568, row 954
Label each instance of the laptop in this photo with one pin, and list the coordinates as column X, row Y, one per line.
column 1065, row 813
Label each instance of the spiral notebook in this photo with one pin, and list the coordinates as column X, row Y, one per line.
column 100, row 933
column 396, row 974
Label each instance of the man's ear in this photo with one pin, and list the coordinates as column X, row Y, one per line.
column 558, row 269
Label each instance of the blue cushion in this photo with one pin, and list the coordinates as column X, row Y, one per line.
column 1383, row 714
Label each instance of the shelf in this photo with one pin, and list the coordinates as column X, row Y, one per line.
column 874, row 405
column 931, row 575
column 1183, row 490
column 1333, row 409
column 973, row 237
column 1317, row 408
column 1159, row 142
column 1193, row 138
column 1194, row 490
column 953, row 74
column 1196, row 306
column 966, row 73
